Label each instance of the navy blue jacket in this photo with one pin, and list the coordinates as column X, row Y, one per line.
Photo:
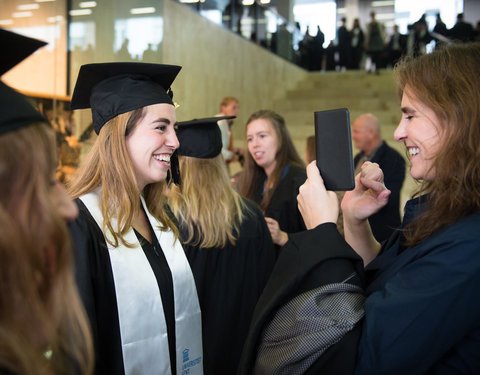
column 422, row 312
column 423, row 305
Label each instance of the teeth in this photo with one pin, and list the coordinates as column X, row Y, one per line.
column 413, row 151
column 163, row 157
column 258, row 153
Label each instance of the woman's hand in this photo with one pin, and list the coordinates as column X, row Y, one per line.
column 279, row 237
column 369, row 195
column 316, row 204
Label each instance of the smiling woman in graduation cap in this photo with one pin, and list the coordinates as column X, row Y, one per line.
column 40, row 310
column 132, row 272
column 226, row 240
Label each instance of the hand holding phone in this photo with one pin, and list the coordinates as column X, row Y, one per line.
column 333, row 144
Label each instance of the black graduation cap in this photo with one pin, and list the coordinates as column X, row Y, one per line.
column 15, row 110
column 15, row 48
column 110, row 89
column 200, row 138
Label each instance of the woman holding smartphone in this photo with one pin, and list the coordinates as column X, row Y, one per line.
column 421, row 285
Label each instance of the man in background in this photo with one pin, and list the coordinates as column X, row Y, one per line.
column 367, row 138
column 462, row 31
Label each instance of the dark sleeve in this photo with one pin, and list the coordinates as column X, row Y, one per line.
column 83, row 240
column 229, row 282
column 283, row 206
column 266, row 252
column 309, row 259
column 426, row 314
column 94, row 278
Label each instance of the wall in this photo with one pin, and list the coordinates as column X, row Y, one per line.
column 471, row 10
column 218, row 63
column 45, row 71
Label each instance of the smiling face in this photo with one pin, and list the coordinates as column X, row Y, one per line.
column 151, row 144
column 419, row 129
column 262, row 142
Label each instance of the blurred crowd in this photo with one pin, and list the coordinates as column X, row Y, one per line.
column 372, row 48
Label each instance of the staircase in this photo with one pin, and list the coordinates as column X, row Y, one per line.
column 356, row 90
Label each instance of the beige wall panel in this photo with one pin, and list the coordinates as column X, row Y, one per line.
column 218, row 63
column 43, row 73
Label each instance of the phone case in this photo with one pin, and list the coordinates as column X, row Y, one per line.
column 334, row 149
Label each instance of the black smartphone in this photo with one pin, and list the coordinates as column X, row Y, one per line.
column 333, row 147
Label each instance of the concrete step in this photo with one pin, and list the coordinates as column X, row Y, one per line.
column 303, row 93
column 317, row 103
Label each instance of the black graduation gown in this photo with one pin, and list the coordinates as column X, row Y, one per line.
column 94, row 277
column 283, row 206
column 296, row 272
column 229, row 282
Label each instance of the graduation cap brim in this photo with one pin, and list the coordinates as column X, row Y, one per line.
column 204, row 121
column 200, row 138
column 16, row 48
column 111, row 89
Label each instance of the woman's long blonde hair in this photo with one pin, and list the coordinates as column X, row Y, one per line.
column 447, row 81
column 206, row 204
column 40, row 308
column 108, row 166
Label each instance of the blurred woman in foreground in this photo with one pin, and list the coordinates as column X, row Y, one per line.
column 43, row 328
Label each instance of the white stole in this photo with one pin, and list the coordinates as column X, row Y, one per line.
column 142, row 323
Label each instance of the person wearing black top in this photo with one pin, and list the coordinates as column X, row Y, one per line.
column 272, row 174
column 226, row 240
column 43, row 328
column 132, row 273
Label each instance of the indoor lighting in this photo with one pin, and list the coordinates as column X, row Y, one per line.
column 146, row 10
column 6, row 22
column 248, row 2
column 341, row 10
column 265, row 1
column 80, row 12
column 385, row 16
column 55, row 19
column 28, row 7
column 88, row 4
column 22, row 14
column 386, row 3
column 189, row 1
